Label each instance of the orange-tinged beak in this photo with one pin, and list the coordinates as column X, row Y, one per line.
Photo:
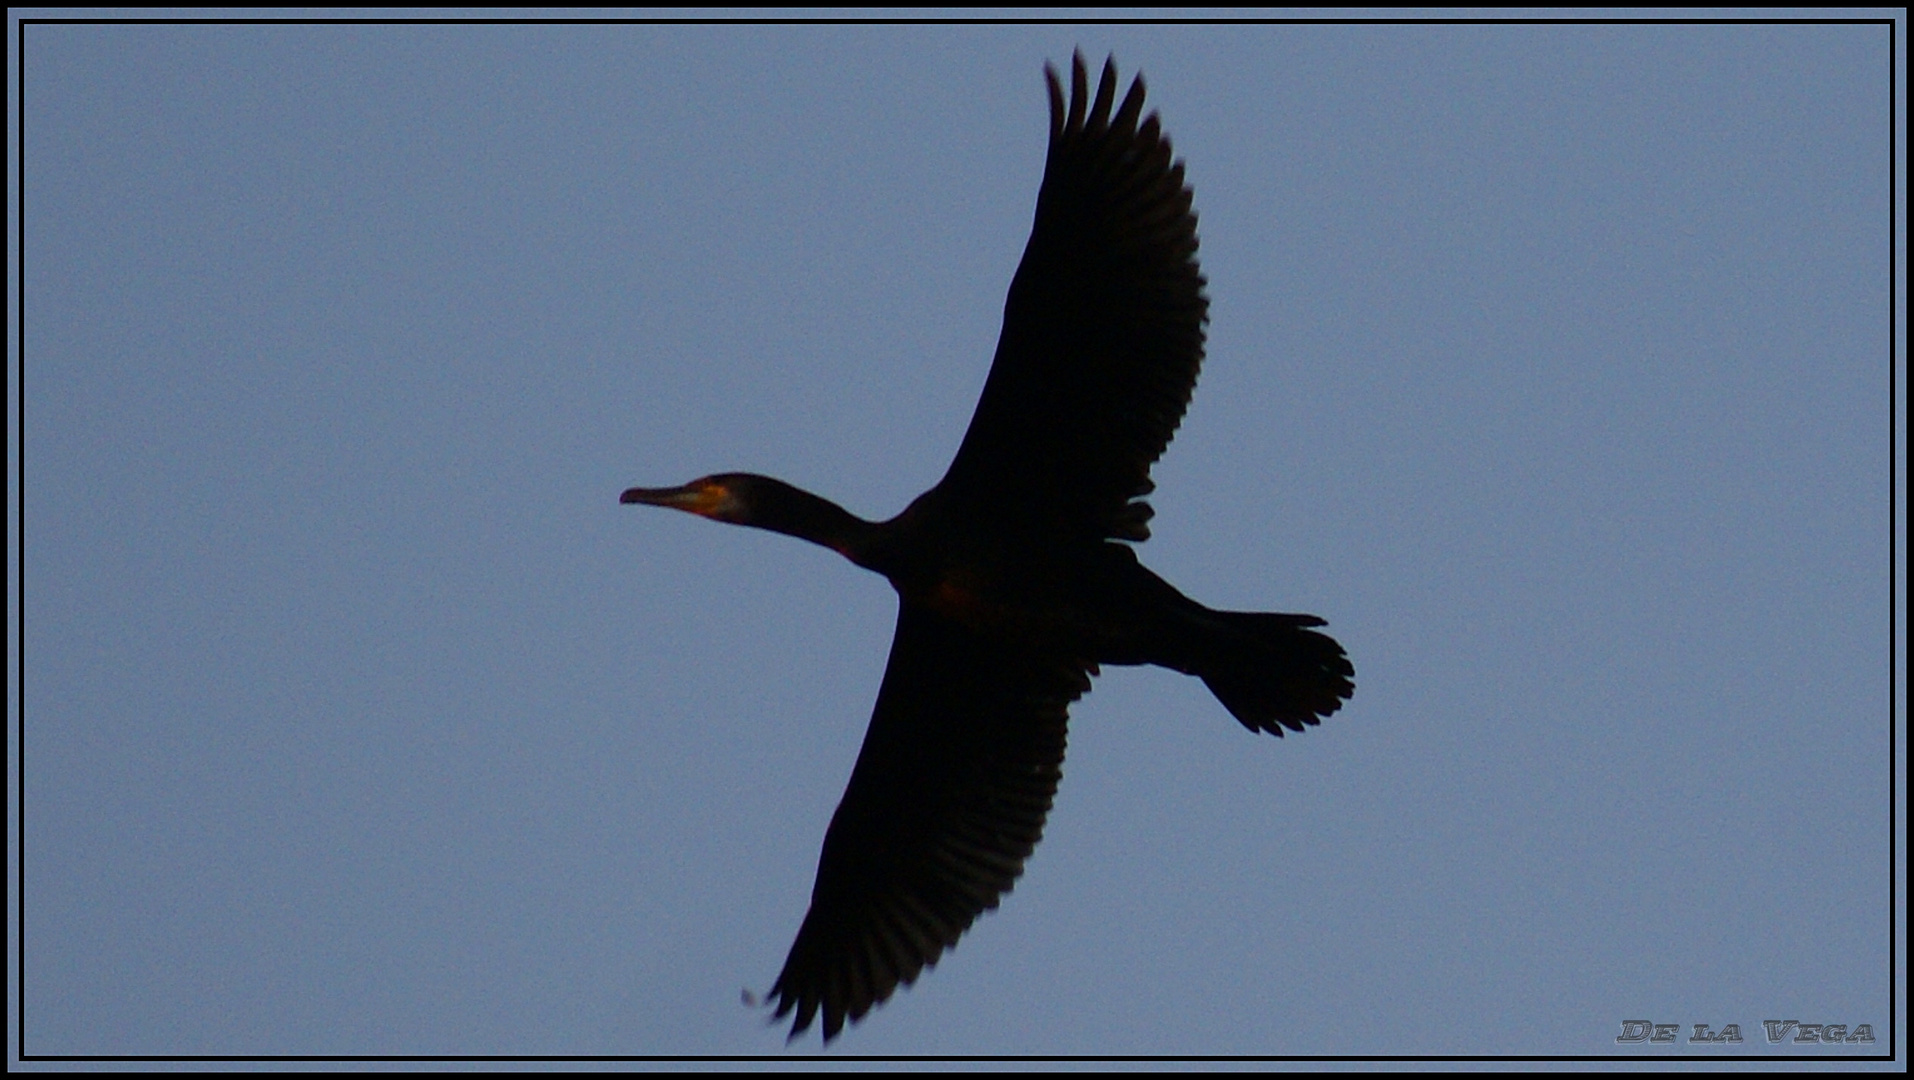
column 701, row 497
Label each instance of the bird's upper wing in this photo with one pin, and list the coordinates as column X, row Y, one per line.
column 1103, row 329
column 948, row 798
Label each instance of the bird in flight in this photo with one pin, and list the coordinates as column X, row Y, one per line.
column 1015, row 575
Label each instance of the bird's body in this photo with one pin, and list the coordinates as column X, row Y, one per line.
column 1015, row 575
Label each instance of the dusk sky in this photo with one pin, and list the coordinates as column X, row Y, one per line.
column 1552, row 365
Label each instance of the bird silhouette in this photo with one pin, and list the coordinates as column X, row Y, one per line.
column 1015, row 574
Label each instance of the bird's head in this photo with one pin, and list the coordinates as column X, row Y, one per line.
column 723, row 497
column 764, row 503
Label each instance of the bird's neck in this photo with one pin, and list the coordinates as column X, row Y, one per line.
column 796, row 512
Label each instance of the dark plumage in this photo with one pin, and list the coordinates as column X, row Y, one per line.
column 1012, row 584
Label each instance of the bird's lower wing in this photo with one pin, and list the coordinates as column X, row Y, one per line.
column 948, row 798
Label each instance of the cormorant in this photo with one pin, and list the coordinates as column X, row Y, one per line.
column 1013, row 578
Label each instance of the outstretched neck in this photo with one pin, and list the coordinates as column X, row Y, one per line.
column 780, row 507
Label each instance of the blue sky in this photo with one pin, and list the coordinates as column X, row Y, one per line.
column 1551, row 364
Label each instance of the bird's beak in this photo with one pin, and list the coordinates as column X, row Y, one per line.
column 701, row 499
column 675, row 497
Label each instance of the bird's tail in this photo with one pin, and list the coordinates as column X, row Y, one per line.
column 1271, row 671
